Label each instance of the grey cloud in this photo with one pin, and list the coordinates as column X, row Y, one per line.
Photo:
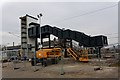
column 102, row 22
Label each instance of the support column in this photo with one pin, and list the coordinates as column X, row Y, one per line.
column 70, row 43
column 49, row 41
column 41, row 41
column 99, row 50
column 65, row 55
column 36, row 45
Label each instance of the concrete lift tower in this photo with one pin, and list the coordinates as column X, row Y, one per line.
column 27, row 44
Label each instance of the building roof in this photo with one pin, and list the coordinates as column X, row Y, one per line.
column 13, row 47
column 28, row 16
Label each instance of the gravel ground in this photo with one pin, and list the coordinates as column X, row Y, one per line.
column 71, row 68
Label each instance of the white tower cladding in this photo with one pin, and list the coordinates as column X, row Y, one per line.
column 27, row 42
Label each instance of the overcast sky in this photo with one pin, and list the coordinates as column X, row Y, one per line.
column 92, row 18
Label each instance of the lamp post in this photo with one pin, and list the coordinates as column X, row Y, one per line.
column 39, row 16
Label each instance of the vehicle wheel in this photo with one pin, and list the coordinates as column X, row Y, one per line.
column 53, row 61
column 33, row 63
column 44, row 63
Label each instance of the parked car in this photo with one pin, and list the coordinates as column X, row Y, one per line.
column 13, row 58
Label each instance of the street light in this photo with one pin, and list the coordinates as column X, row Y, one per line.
column 14, row 34
column 39, row 16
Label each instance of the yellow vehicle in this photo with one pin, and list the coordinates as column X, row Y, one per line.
column 84, row 56
column 48, row 55
column 53, row 55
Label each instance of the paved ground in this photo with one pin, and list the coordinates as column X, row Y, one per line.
column 72, row 70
